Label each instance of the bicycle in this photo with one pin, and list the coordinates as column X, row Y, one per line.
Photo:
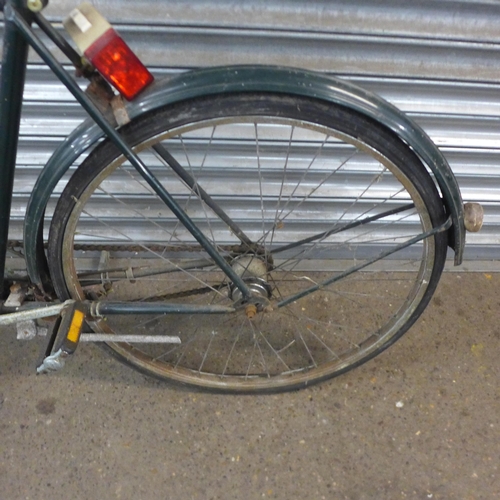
column 283, row 227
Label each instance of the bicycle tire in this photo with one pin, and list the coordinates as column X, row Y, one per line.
column 285, row 169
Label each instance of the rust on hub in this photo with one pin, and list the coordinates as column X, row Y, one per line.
column 251, row 311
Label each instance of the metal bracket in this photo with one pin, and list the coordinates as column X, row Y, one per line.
column 119, row 110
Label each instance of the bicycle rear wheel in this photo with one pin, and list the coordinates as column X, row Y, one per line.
column 303, row 198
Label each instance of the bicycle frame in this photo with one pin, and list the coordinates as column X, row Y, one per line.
column 19, row 36
column 15, row 57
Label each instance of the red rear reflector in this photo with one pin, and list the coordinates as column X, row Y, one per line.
column 112, row 57
column 108, row 53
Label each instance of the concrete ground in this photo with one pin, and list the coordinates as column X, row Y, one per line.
column 420, row 421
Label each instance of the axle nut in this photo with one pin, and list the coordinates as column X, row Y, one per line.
column 36, row 5
column 473, row 217
column 251, row 311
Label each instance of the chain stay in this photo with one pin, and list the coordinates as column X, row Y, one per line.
column 233, row 249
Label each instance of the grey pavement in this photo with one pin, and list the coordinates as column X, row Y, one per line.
column 421, row 421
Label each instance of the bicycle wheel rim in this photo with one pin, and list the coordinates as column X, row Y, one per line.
column 371, row 342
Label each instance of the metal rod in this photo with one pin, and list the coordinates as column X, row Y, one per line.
column 99, row 309
column 130, row 339
column 60, row 41
column 131, row 273
column 40, row 312
column 109, row 308
column 443, row 227
column 345, row 227
column 12, row 14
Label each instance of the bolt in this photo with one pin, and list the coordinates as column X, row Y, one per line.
column 473, row 217
column 251, row 311
column 35, row 5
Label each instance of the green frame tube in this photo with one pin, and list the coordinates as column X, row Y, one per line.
column 13, row 74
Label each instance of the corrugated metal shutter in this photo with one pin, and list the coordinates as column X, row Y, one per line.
column 438, row 60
